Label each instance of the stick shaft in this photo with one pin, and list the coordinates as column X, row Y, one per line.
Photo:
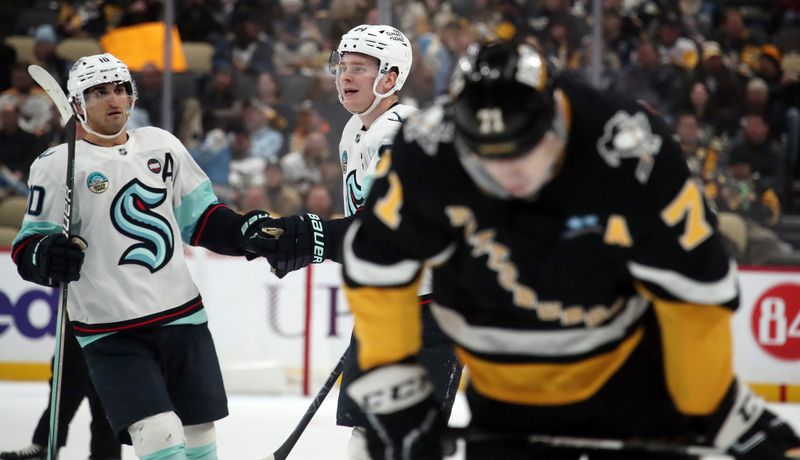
column 283, row 451
column 596, row 444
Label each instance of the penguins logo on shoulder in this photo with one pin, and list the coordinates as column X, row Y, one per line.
column 629, row 136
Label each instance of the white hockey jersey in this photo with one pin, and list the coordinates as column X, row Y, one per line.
column 135, row 204
column 359, row 152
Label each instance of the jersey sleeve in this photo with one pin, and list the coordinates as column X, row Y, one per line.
column 192, row 191
column 45, row 211
column 680, row 265
column 385, row 250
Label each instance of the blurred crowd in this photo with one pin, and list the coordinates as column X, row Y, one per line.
column 264, row 123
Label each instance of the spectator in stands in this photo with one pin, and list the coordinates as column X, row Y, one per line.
column 33, row 103
column 81, row 18
column 197, row 21
column 701, row 155
column 298, row 47
column 757, row 101
column 268, row 99
column 319, row 201
column 309, row 121
column 18, row 148
column 698, row 102
column 722, row 85
column 220, row 104
column 214, row 156
column 140, row 11
column 764, row 156
column 44, row 53
column 265, row 141
column 253, row 198
column 675, row 48
column 739, row 41
column 247, row 49
column 648, row 80
column 302, row 168
column 286, row 199
column 245, row 169
column 741, row 191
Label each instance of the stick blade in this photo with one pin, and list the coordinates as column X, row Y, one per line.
column 53, row 89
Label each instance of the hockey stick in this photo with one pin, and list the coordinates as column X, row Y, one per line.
column 574, row 442
column 51, row 86
column 283, row 451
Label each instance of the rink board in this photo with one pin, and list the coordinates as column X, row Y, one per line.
column 258, row 324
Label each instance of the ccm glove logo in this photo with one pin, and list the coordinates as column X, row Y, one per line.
column 391, row 389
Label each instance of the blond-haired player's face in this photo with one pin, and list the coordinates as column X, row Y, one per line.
column 107, row 107
column 356, row 74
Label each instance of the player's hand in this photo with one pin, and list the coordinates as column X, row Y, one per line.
column 405, row 421
column 289, row 243
column 750, row 431
column 59, row 260
column 768, row 439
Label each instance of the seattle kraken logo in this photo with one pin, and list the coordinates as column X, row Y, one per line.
column 354, row 198
column 132, row 215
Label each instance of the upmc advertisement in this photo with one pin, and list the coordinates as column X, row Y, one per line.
column 259, row 324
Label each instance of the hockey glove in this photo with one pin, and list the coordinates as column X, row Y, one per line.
column 53, row 260
column 289, row 243
column 751, row 432
column 405, row 421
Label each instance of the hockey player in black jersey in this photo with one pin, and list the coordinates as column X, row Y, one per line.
column 576, row 266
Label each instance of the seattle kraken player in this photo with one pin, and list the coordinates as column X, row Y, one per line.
column 133, row 306
column 371, row 64
column 577, row 269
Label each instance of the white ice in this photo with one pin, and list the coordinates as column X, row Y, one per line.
column 256, row 426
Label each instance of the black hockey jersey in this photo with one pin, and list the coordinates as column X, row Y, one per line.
column 547, row 298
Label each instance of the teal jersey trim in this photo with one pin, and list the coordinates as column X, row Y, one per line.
column 86, row 340
column 170, row 453
column 207, row 452
column 198, row 317
column 192, row 206
column 37, row 228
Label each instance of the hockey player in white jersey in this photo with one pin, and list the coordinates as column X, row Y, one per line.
column 371, row 64
column 136, row 312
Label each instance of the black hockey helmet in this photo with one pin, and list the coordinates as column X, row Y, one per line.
column 502, row 100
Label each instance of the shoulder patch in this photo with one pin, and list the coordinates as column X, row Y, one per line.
column 629, row 136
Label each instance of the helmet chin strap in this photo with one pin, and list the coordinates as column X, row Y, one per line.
column 85, row 122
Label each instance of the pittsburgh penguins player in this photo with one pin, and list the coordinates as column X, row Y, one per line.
column 370, row 65
column 577, row 269
column 137, row 314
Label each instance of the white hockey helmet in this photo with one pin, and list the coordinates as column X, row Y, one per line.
column 388, row 45
column 96, row 70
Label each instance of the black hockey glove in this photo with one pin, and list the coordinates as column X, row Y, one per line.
column 53, row 259
column 289, row 243
column 405, row 421
column 751, row 432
